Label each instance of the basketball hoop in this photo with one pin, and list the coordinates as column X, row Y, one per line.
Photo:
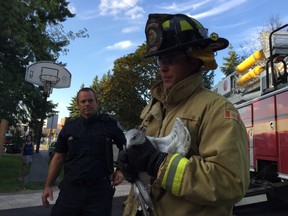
column 48, row 81
column 49, row 75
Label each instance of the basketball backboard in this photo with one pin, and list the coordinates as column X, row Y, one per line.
column 43, row 72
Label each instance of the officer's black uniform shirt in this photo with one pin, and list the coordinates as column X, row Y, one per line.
column 87, row 150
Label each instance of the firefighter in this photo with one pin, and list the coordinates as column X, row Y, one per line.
column 215, row 173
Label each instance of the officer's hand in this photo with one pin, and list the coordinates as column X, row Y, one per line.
column 47, row 192
column 145, row 157
column 123, row 166
column 118, row 177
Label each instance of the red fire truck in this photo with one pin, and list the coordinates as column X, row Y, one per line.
column 259, row 89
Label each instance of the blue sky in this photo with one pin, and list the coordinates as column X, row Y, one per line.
column 116, row 28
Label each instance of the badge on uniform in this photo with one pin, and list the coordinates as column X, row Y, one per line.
column 232, row 114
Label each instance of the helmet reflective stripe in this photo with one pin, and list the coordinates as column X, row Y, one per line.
column 185, row 25
column 166, row 24
column 174, row 174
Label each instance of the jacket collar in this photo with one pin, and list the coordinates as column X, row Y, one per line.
column 179, row 92
column 91, row 120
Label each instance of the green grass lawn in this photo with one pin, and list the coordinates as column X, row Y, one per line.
column 12, row 176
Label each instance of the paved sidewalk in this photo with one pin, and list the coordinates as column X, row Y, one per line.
column 38, row 170
column 33, row 198
column 38, row 173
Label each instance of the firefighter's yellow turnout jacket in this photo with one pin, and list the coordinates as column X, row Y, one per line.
column 215, row 174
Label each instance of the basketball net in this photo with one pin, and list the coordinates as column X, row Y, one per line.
column 48, row 82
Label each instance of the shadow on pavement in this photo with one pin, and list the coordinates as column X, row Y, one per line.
column 41, row 211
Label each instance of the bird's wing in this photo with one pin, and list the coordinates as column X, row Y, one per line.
column 177, row 141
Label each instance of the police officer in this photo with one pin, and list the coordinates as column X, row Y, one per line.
column 215, row 173
column 84, row 146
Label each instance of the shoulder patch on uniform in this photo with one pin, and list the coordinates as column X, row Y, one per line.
column 232, row 114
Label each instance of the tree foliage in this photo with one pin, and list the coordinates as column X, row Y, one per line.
column 230, row 62
column 31, row 31
column 125, row 93
column 72, row 108
column 272, row 23
column 208, row 78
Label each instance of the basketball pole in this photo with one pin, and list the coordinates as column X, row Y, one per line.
column 3, row 129
column 39, row 134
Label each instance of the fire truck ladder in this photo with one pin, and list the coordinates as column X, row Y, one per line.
column 275, row 56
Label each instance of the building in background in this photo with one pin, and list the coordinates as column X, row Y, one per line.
column 52, row 128
column 52, row 122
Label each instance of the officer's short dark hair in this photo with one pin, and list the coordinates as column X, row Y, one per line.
column 86, row 89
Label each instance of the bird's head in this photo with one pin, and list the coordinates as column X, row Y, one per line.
column 134, row 137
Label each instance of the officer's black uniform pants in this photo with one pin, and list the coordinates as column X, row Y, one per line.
column 84, row 200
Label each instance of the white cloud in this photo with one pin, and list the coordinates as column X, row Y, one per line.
column 211, row 7
column 221, row 6
column 181, row 7
column 135, row 13
column 120, row 45
column 90, row 14
column 234, row 25
column 72, row 8
column 131, row 29
column 114, row 7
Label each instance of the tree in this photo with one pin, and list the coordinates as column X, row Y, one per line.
column 208, row 78
column 231, row 61
column 73, row 110
column 272, row 23
column 127, row 91
column 31, row 31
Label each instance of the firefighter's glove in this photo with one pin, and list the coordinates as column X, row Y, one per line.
column 123, row 166
column 145, row 158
